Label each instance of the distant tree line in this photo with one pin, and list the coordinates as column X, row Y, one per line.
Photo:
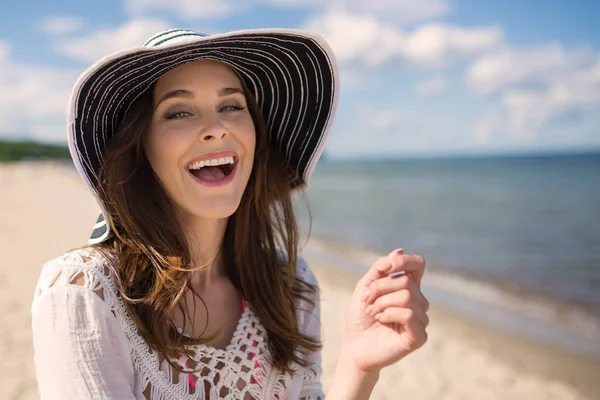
column 28, row 150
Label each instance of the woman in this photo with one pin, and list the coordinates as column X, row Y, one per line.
column 192, row 287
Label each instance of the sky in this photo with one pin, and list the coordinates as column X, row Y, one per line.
column 426, row 77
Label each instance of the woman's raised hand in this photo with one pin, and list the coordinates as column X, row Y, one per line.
column 387, row 317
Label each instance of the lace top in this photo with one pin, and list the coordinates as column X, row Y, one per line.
column 87, row 347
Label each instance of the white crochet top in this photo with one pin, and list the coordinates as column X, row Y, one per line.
column 87, row 347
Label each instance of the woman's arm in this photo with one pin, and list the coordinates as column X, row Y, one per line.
column 386, row 321
column 80, row 350
column 348, row 382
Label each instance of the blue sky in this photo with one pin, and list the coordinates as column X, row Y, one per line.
column 425, row 77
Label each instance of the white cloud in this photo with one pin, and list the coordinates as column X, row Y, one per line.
column 368, row 40
column 358, row 38
column 487, row 127
column 106, row 41
column 353, row 78
column 397, row 130
column 528, row 111
column 185, row 9
column 383, row 121
column 510, row 67
column 296, row 3
column 404, row 10
column 399, row 10
column 539, row 89
column 431, row 86
column 4, row 51
column 437, row 45
column 376, row 130
column 32, row 96
column 61, row 24
column 33, row 99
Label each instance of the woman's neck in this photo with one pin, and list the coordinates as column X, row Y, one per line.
column 206, row 238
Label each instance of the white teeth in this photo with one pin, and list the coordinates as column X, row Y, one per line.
column 212, row 162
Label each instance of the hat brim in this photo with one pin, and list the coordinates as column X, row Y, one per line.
column 292, row 74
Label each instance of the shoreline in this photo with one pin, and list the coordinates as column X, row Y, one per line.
column 523, row 356
column 499, row 282
column 488, row 302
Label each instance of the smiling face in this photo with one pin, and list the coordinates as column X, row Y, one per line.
column 201, row 139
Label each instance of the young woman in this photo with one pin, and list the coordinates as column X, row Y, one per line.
column 192, row 286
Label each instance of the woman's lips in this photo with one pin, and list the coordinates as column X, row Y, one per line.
column 219, row 182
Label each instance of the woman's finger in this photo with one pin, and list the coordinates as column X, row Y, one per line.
column 413, row 264
column 395, row 262
column 399, row 299
column 416, row 332
column 384, row 286
column 374, row 272
column 392, row 264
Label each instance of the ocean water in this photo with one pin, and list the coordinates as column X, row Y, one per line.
column 528, row 224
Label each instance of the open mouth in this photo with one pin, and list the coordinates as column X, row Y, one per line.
column 213, row 170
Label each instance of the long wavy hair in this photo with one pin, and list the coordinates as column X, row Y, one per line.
column 259, row 248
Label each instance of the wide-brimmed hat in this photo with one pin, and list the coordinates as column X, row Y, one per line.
column 291, row 73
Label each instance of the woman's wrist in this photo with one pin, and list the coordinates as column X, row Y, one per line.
column 349, row 381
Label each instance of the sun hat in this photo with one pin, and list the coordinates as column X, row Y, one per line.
column 291, row 73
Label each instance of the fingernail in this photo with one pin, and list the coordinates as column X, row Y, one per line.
column 369, row 309
column 398, row 251
column 378, row 316
column 385, row 267
column 365, row 295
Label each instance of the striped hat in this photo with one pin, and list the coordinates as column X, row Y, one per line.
column 292, row 74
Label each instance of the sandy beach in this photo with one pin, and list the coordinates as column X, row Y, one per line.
column 45, row 210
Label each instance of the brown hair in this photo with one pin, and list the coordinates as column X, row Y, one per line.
column 153, row 276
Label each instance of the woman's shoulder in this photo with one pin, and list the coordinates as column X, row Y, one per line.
column 308, row 306
column 304, row 272
column 85, row 267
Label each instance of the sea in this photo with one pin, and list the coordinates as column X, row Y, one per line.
column 513, row 241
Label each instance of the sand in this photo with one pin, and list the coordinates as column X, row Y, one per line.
column 45, row 210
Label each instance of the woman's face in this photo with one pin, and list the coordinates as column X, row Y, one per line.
column 201, row 139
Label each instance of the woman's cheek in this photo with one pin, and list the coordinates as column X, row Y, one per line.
column 178, row 138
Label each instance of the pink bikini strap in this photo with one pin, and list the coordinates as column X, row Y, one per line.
column 243, row 303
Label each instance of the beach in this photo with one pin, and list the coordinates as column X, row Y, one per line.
column 45, row 210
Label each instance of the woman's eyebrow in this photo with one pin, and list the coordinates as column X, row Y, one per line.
column 175, row 93
column 229, row 90
column 189, row 95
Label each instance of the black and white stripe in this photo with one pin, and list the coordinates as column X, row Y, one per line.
column 292, row 74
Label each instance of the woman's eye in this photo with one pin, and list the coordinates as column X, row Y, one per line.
column 231, row 107
column 178, row 115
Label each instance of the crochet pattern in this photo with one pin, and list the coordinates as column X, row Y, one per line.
column 243, row 370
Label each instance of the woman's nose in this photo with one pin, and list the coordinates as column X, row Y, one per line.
column 212, row 135
column 212, row 129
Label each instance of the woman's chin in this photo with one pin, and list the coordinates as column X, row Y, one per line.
column 216, row 208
